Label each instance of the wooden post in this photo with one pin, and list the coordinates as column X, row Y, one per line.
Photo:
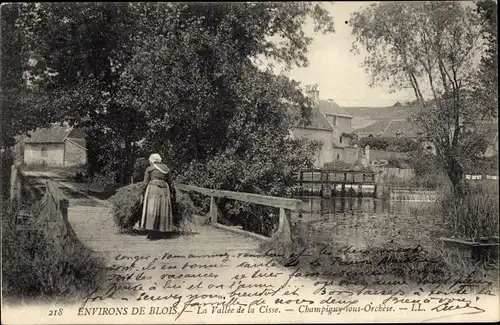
column 284, row 228
column 63, row 208
column 214, row 210
column 13, row 176
column 15, row 188
column 19, row 188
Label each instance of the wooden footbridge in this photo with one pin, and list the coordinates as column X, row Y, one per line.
column 91, row 221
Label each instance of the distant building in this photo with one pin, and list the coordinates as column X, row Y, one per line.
column 331, row 125
column 55, row 146
column 398, row 128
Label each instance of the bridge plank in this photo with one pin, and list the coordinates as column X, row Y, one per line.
column 272, row 201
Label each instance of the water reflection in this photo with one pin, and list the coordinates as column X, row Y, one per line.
column 363, row 221
column 315, row 208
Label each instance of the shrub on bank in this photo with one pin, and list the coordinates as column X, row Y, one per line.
column 7, row 162
column 474, row 215
column 34, row 267
column 340, row 165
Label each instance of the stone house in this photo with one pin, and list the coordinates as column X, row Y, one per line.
column 331, row 125
column 55, row 146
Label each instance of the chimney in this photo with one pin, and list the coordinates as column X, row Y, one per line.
column 316, row 97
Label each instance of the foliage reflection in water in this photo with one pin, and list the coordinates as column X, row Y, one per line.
column 367, row 222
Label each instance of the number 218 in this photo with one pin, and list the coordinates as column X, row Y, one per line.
column 56, row 312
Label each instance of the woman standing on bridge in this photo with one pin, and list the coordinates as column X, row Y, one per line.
column 157, row 217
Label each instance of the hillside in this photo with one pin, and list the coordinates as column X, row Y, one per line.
column 365, row 116
column 377, row 113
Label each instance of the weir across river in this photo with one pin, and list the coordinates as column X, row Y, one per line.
column 331, row 183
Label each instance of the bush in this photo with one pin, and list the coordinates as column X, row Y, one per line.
column 104, row 181
column 340, row 165
column 399, row 162
column 474, row 215
column 261, row 170
column 424, row 163
column 7, row 162
column 140, row 168
column 34, row 267
column 127, row 208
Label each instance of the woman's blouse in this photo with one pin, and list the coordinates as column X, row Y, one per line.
column 153, row 173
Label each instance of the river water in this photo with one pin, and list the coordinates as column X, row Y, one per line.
column 368, row 222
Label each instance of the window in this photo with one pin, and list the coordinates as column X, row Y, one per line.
column 340, row 139
column 338, row 156
column 44, row 151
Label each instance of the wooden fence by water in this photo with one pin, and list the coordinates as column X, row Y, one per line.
column 288, row 209
column 412, row 194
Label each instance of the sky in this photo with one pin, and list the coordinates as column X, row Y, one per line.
column 337, row 71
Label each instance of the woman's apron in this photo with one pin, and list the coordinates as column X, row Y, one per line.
column 144, row 204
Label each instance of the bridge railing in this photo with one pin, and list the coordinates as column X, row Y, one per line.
column 16, row 185
column 52, row 214
column 287, row 208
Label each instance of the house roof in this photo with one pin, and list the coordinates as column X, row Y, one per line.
column 55, row 134
column 77, row 133
column 318, row 120
column 375, row 129
column 404, row 126
column 389, row 127
column 78, row 141
column 330, row 107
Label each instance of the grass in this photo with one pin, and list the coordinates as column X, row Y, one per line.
column 36, row 268
column 474, row 215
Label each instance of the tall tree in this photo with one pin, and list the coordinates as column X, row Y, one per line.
column 80, row 49
column 432, row 47
column 181, row 74
column 201, row 98
column 487, row 88
column 18, row 114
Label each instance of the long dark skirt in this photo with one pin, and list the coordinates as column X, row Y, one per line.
column 158, row 208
